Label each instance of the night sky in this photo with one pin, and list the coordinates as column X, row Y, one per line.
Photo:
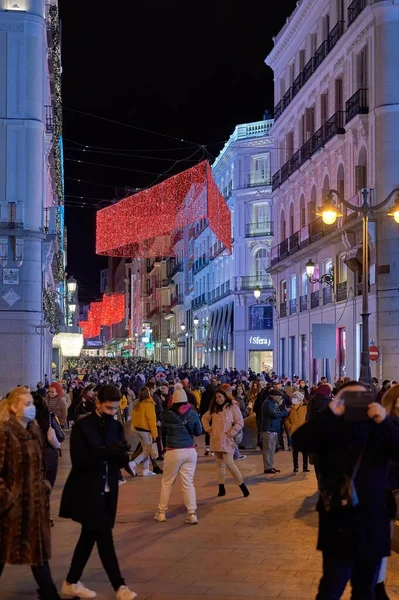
column 192, row 71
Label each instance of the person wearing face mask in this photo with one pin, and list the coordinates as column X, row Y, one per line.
column 223, row 421
column 296, row 419
column 98, row 451
column 24, row 493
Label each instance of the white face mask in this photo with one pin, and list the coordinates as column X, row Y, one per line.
column 295, row 401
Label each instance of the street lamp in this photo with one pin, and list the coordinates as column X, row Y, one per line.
column 327, row 278
column 196, row 321
column 168, row 340
column 183, row 327
column 269, row 300
column 329, row 214
column 71, row 285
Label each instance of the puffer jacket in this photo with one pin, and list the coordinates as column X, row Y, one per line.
column 144, row 418
column 223, row 427
column 272, row 414
column 181, row 425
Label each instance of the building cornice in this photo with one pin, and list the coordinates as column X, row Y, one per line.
column 289, row 31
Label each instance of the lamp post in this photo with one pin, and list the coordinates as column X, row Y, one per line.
column 269, row 300
column 327, row 278
column 329, row 213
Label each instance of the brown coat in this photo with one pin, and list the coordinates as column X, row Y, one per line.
column 297, row 417
column 24, row 496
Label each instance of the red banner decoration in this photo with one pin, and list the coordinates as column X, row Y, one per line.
column 149, row 223
column 109, row 311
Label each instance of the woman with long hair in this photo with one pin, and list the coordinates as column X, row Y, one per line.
column 223, row 421
column 24, row 492
column 56, row 403
column 144, row 422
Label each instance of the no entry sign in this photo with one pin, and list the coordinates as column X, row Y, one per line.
column 374, row 353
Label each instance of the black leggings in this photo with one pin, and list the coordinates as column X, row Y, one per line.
column 44, row 580
column 106, row 550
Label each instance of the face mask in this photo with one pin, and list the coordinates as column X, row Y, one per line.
column 29, row 413
column 107, row 418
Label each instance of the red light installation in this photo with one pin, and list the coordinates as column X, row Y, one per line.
column 149, row 223
column 109, row 311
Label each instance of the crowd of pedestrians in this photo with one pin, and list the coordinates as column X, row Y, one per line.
column 99, row 401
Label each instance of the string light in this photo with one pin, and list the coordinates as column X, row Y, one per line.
column 50, row 308
column 109, row 311
column 150, row 222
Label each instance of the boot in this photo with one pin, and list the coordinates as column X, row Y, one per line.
column 222, row 490
column 380, row 593
column 244, row 490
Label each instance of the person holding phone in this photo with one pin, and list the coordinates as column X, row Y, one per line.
column 353, row 441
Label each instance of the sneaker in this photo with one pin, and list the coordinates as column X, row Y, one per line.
column 148, row 473
column 132, row 468
column 191, row 519
column 207, row 451
column 125, row 594
column 212, row 454
column 77, row 590
column 241, row 457
column 157, row 471
column 121, row 481
column 276, row 471
column 160, row 517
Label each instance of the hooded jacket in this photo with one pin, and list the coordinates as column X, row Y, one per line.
column 224, row 426
column 181, row 423
column 272, row 414
column 144, row 418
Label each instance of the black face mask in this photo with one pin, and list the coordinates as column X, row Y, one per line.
column 107, row 418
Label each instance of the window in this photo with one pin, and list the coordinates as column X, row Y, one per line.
column 293, row 287
column 342, row 351
column 301, row 60
column 261, row 213
column 292, row 222
column 260, row 169
column 301, row 130
column 342, row 269
column 283, row 291
column 316, row 275
column 12, row 212
column 289, row 145
column 305, row 283
column 302, row 208
column 313, row 44
column 323, row 108
column 326, row 26
column 327, row 265
column 362, row 69
column 292, row 369
column 309, row 122
column 260, row 317
column 282, row 357
column 261, row 263
column 304, row 348
column 339, row 95
column 340, row 10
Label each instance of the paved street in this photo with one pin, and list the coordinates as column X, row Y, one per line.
column 259, row 547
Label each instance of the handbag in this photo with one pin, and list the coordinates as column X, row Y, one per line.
column 52, row 436
column 342, row 494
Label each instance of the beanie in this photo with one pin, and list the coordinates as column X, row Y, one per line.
column 324, row 389
column 58, row 387
column 179, row 395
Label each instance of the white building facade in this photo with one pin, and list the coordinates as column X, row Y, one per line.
column 336, row 127
column 230, row 328
column 31, row 190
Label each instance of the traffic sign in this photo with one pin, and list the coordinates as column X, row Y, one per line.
column 374, row 353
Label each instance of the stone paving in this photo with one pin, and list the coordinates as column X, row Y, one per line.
column 257, row 547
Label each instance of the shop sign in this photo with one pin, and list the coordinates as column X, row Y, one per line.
column 257, row 340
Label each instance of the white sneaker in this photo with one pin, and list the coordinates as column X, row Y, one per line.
column 125, row 594
column 148, row 473
column 160, row 517
column 132, row 467
column 77, row 590
column 121, row 481
column 191, row 519
column 207, row 451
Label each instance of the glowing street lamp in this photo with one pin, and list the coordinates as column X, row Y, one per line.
column 183, row 327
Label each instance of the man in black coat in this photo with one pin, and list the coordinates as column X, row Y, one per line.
column 354, row 535
column 98, row 450
column 206, row 399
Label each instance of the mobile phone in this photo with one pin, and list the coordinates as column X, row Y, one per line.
column 356, row 405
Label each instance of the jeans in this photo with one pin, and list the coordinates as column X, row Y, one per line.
column 337, row 571
column 295, row 457
column 106, row 550
column 182, row 462
column 44, row 580
column 223, row 460
column 146, row 443
column 269, row 439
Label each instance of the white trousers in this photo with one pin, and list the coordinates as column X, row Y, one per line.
column 146, row 443
column 182, row 462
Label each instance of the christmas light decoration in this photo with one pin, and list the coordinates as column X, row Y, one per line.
column 50, row 308
column 54, row 25
column 71, row 344
column 150, row 222
column 109, row 311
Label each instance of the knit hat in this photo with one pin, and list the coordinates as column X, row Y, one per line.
column 324, row 390
column 179, row 395
column 57, row 386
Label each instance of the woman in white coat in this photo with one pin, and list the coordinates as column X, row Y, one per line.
column 223, row 422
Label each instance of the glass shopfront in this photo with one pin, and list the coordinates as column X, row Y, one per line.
column 261, row 360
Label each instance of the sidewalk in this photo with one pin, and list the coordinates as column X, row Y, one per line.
column 243, row 548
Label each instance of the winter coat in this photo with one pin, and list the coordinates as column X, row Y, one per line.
column 180, row 426
column 98, row 450
column 206, row 398
column 58, row 407
column 243, row 406
column 24, row 496
column 224, row 426
column 296, row 418
column 364, row 530
column 272, row 414
column 144, row 418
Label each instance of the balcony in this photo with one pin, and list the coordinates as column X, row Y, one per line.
column 261, row 228
column 253, row 281
column 216, row 250
column 335, row 34
column 357, row 105
column 176, row 267
column 293, row 306
column 255, row 179
column 11, row 225
column 283, row 249
column 283, row 309
column 332, row 127
column 198, row 302
column 293, row 243
column 303, row 303
column 314, row 300
column 342, row 291
column 199, row 264
column 355, row 9
column 176, row 299
column 49, row 119
column 220, row 292
column 327, row 295
column 320, row 55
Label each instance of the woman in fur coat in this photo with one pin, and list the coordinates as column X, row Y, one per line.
column 24, row 493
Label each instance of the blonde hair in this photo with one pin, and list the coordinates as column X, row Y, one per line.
column 389, row 399
column 10, row 400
